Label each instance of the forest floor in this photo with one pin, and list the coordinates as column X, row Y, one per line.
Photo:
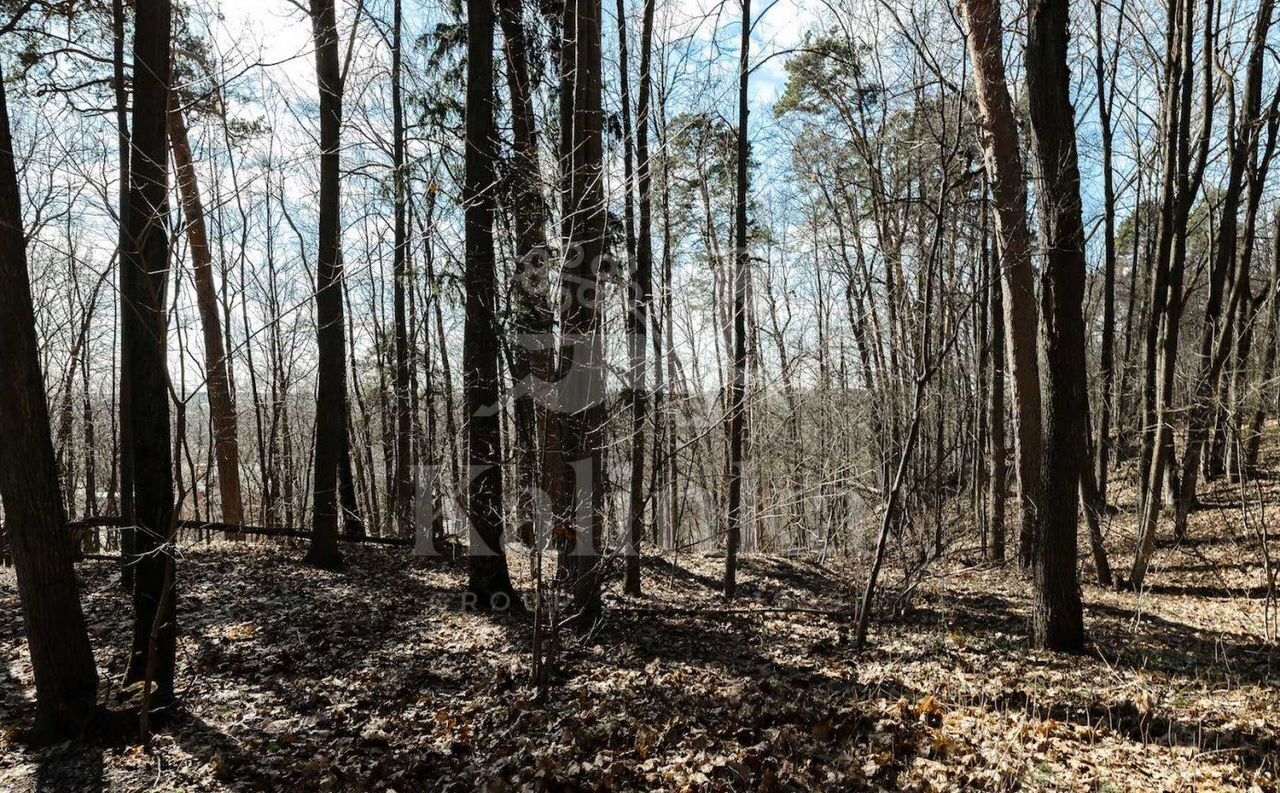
column 376, row 679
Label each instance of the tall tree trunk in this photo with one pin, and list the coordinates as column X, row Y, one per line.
column 634, row 324
column 668, row 364
column 643, row 297
column 1175, row 85
column 1214, row 337
column 124, row 433
column 1009, row 190
column 1236, row 461
column 533, row 360
column 331, row 374
column 1133, row 308
column 742, row 262
column 145, row 324
column 490, row 581
column 981, row 314
column 1167, row 296
column 402, row 495
column 578, row 454
column 997, row 482
column 90, row 448
column 1253, row 440
column 1057, row 618
column 1102, row 446
column 221, row 409
column 35, row 524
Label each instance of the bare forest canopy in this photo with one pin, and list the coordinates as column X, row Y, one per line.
column 563, row 323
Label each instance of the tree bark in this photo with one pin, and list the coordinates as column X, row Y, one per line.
column 331, row 375
column 533, row 359
column 145, row 325
column 578, row 456
column 124, row 431
column 35, row 525
column 402, row 495
column 742, row 263
column 1009, row 191
column 643, row 298
column 1057, row 619
column 997, row 479
column 489, row 581
column 222, row 410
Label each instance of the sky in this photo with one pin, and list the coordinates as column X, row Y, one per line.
column 277, row 32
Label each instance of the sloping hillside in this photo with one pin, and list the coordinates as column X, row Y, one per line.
column 375, row 679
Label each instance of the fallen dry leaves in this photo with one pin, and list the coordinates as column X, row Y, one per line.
column 374, row 679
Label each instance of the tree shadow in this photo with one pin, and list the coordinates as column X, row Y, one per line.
column 328, row 664
column 1206, row 566
column 73, row 767
column 1188, row 650
column 1255, row 749
column 658, row 565
column 1203, row 541
column 225, row 757
column 1173, row 647
column 977, row 613
column 806, row 574
column 1205, row 591
column 718, row 682
column 349, row 617
column 1164, row 645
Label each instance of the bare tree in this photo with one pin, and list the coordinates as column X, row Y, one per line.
column 221, row 408
column 1009, row 191
column 1167, row 281
column 145, row 326
column 742, row 270
column 61, row 659
column 638, row 316
column 533, row 357
column 402, row 483
column 489, row 581
column 1106, row 87
column 1057, row 621
column 331, row 386
column 1214, row 332
column 577, row 455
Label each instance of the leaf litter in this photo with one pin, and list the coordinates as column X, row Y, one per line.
column 377, row 679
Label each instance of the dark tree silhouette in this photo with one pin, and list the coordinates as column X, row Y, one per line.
column 331, row 386
column 490, row 581
column 1057, row 620
column 61, row 659
column 145, row 328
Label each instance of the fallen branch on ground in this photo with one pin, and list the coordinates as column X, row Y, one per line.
column 832, row 613
column 113, row 522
